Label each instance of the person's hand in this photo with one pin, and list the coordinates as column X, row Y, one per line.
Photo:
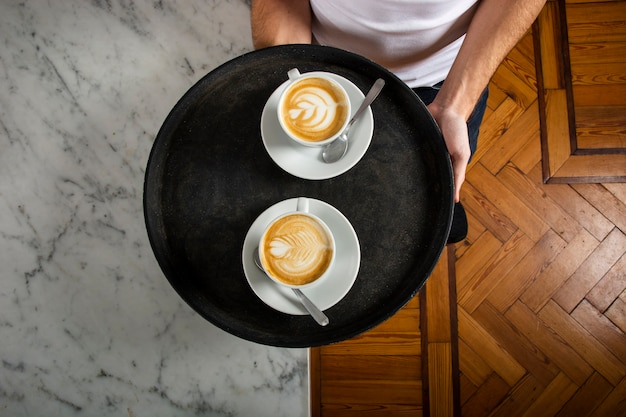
column 454, row 129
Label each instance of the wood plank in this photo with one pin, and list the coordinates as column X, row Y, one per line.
column 479, row 339
column 520, row 88
column 528, row 156
column 516, row 343
column 591, row 271
column 595, row 73
column 372, row 367
column 383, row 394
column 575, row 205
column 522, row 274
column 611, row 207
column 601, row 127
column 475, row 229
column 599, row 52
column 610, row 286
column 617, row 314
column 599, row 95
column 550, row 280
column 592, row 351
column 441, row 347
column 525, row 129
column 372, row 410
column 549, row 53
column 601, row 328
column 472, row 365
column 315, row 382
column 379, row 344
column 521, row 396
column 547, row 209
column 413, row 303
column 588, row 397
column 467, row 388
column 614, row 404
column 588, row 11
column 495, row 125
column 494, row 272
column 618, row 191
column 507, row 202
column 557, row 131
column 495, row 99
column 591, row 168
column 475, row 258
column 440, row 386
column 608, row 31
column 588, row 22
column 486, row 398
column 553, row 397
column 488, row 215
column 551, row 344
column 406, row 320
column 438, row 301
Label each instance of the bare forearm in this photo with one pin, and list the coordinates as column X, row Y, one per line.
column 496, row 28
column 278, row 22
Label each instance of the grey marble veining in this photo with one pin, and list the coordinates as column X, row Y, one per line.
column 88, row 323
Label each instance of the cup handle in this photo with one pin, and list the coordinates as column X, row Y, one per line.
column 293, row 73
column 303, row 204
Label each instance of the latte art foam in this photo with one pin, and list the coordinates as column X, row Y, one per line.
column 296, row 250
column 314, row 109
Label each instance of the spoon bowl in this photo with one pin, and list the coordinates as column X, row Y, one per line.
column 336, row 149
column 313, row 310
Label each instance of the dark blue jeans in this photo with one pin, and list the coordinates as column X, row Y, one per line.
column 427, row 94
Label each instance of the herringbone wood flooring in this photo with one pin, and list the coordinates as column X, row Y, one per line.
column 541, row 278
column 540, row 287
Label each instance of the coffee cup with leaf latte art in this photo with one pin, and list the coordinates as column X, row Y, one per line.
column 297, row 249
column 313, row 109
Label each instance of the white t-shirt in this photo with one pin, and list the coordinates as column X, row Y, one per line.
column 417, row 40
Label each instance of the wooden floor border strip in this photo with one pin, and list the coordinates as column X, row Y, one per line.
column 454, row 320
column 424, row 344
column 315, row 382
column 440, row 352
column 439, row 346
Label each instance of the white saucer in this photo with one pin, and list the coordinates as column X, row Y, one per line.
column 327, row 293
column 306, row 162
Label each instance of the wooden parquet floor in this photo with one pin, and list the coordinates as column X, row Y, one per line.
column 540, row 292
column 541, row 278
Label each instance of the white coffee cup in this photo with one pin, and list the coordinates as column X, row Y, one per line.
column 314, row 108
column 297, row 249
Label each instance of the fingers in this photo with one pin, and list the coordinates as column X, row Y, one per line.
column 454, row 130
column 458, row 168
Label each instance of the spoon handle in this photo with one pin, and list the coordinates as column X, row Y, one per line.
column 317, row 314
column 369, row 98
column 313, row 310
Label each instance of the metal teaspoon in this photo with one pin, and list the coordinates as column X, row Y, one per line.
column 313, row 310
column 335, row 150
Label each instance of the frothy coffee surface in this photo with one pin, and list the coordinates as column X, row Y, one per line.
column 296, row 250
column 314, row 109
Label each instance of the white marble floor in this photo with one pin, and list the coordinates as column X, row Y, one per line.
column 88, row 323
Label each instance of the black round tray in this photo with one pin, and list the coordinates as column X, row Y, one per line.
column 209, row 177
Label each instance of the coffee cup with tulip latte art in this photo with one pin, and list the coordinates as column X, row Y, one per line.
column 297, row 249
column 314, row 109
